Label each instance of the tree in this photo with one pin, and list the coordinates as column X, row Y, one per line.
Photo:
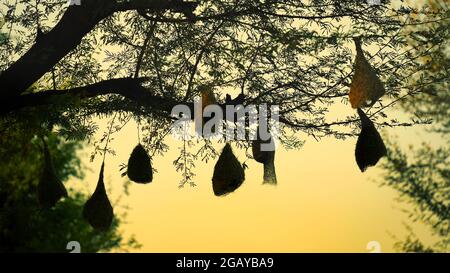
column 24, row 226
column 422, row 174
column 423, row 182
column 158, row 54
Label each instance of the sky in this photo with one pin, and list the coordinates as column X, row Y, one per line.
column 322, row 202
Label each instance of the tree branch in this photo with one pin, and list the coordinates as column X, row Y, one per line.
column 130, row 88
column 76, row 22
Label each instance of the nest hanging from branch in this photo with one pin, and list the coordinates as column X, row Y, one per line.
column 208, row 98
column 366, row 88
column 139, row 166
column 265, row 157
column 258, row 155
column 270, row 177
column 98, row 210
column 50, row 188
column 228, row 173
column 370, row 146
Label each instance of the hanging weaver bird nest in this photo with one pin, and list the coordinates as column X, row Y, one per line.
column 98, row 210
column 270, row 177
column 262, row 156
column 228, row 173
column 139, row 166
column 365, row 88
column 208, row 98
column 370, row 146
column 50, row 188
column 265, row 157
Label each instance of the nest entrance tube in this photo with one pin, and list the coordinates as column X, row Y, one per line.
column 139, row 166
column 369, row 146
column 270, row 177
column 265, row 157
column 228, row 173
column 98, row 210
column 50, row 188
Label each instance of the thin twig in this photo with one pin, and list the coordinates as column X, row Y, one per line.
column 107, row 139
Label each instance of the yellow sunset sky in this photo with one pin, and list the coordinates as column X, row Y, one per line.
column 322, row 202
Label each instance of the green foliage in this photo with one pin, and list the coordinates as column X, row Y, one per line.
column 433, row 103
column 422, row 175
column 411, row 244
column 423, row 181
column 24, row 226
column 34, row 230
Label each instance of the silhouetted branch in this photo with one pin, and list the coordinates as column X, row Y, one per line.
column 76, row 22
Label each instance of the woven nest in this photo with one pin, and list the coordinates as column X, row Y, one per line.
column 366, row 88
column 228, row 173
column 208, row 98
column 262, row 156
column 139, row 166
column 98, row 210
column 370, row 146
column 50, row 188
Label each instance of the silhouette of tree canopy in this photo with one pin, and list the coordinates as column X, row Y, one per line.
column 24, row 226
column 421, row 174
column 139, row 58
